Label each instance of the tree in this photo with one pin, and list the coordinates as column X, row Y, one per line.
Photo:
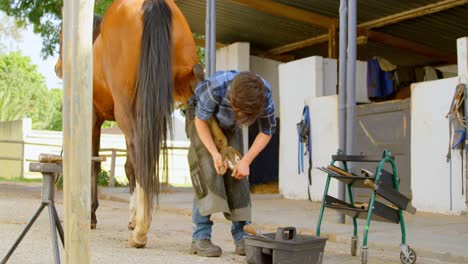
column 56, row 99
column 45, row 16
column 23, row 92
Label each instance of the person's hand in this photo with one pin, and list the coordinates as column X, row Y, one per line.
column 219, row 164
column 241, row 170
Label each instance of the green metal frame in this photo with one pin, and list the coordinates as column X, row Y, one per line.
column 386, row 159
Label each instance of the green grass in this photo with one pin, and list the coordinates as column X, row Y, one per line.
column 26, row 180
column 181, row 185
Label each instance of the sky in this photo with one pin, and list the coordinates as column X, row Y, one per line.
column 31, row 45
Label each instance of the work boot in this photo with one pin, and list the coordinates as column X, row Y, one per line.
column 205, row 248
column 240, row 248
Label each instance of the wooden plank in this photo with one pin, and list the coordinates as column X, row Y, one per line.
column 333, row 42
column 277, row 9
column 201, row 43
column 299, row 45
column 413, row 13
column 77, row 38
column 411, row 46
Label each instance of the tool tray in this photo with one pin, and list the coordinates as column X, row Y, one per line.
column 382, row 212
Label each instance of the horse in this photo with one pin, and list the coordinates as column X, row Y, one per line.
column 144, row 58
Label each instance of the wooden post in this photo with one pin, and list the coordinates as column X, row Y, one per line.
column 112, row 169
column 332, row 42
column 77, row 68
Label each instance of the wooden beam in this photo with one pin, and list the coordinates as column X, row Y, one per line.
column 201, row 43
column 299, row 44
column 77, row 113
column 333, row 42
column 277, row 9
column 380, row 22
column 413, row 13
column 411, row 46
column 267, row 55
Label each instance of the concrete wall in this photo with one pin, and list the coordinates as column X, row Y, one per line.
column 436, row 183
column 299, row 84
column 329, row 73
column 233, row 57
column 11, row 154
column 268, row 69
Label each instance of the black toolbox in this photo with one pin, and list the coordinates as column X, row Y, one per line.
column 284, row 247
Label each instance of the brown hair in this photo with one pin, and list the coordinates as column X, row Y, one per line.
column 247, row 97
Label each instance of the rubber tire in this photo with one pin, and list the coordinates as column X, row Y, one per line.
column 412, row 257
column 364, row 256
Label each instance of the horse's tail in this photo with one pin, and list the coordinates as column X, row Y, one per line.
column 154, row 95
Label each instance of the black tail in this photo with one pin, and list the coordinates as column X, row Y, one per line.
column 154, row 95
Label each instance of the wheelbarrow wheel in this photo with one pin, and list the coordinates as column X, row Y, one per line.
column 411, row 259
column 363, row 255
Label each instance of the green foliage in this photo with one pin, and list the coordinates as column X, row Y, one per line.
column 200, row 50
column 45, row 16
column 22, row 91
column 102, row 180
column 56, row 98
column 25, row 180
column 109, row 124
column 101, row 6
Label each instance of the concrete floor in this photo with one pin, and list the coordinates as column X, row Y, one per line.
column 436, row 238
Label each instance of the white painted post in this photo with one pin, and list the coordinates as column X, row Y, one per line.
column 112, row 169
column 77, row 68
column 462, row 57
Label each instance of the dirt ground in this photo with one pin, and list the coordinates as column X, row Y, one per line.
column 168, row 242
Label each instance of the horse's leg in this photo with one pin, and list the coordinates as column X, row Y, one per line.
column 229, row 154
column 95, row 167
column 130, row 172
column 143, row 219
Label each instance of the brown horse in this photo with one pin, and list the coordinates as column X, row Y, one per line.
column 144, row 58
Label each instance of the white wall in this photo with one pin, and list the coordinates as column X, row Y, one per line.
column 324, row 133
column 431, row 173
column 268, row 69
column 233, row 57
column 299, row 82
column 329, row 71
column 11, row 166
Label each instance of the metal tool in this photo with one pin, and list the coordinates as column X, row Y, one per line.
column 392, row 196
column 255, row 231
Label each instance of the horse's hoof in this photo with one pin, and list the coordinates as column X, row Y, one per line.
column 131, row 226
column 93, row 226
column 134, row 244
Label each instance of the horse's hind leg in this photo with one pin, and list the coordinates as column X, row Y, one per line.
column 143, row 219
column 95, row 167
column 130, row 172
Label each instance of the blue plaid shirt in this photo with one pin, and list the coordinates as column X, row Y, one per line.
column 212, row 97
